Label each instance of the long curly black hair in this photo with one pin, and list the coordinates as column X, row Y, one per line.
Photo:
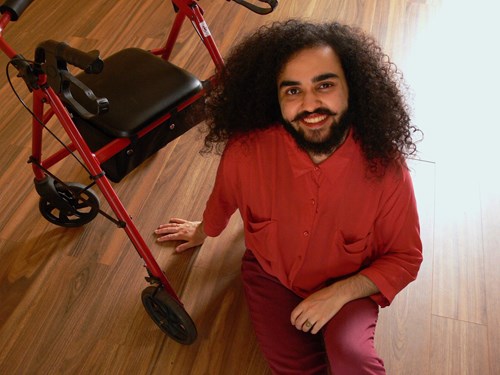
column 245, row 96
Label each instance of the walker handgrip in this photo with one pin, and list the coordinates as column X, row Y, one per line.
column 259, row 10
column 14, row 7
column 87, row 61
column 90, row 62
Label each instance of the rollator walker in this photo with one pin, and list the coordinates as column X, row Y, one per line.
column 111, row 133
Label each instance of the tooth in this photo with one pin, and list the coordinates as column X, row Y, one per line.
column 314, row 120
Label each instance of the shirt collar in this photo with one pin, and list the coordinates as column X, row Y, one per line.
column 301, row 163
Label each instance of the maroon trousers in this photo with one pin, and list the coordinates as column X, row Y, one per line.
column 345, row 345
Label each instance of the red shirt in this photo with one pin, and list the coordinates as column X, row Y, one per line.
column 309, row 224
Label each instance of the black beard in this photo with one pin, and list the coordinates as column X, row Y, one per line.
column 326, row 147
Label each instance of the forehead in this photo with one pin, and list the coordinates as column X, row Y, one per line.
column 311, row 62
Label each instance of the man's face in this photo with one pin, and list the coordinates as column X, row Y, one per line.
column 313, row 96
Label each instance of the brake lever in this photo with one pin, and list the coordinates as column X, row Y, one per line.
column 256, row 9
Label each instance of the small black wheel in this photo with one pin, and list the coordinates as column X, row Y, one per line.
column 169, row 315
column 72, row 207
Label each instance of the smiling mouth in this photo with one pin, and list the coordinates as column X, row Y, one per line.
column 314, row 119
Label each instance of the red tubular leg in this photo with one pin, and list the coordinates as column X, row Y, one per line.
column 107, row 190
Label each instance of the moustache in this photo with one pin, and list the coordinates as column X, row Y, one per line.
column 319, row 111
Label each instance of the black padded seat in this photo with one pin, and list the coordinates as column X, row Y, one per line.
column 140, row 87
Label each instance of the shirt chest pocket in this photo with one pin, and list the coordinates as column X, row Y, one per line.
column 347, row 255
column 354, row 246
column 261, row 237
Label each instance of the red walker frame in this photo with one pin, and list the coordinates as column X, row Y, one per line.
column 44, row 94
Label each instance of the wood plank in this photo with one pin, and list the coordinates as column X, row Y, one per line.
column 214, row 293
column 458, row 347
column 404, row 328
column 459, row 285
column 490, row 207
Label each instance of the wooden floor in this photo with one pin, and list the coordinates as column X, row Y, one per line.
column 70, row 298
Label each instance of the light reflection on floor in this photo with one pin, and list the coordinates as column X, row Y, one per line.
column 453, row 69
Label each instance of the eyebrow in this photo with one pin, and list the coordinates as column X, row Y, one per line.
column 325, row 76
column 318, row 78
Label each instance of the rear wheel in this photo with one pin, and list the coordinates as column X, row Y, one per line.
column 169, row 315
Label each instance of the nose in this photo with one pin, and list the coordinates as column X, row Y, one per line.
column 311, row 101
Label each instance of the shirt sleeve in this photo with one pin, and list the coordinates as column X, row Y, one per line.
column 397, row 236
column 222, row 201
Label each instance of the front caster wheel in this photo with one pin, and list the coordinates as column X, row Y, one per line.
column 70, row 205
column 169, row 315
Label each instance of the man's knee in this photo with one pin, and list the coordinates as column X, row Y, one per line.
column 349, row 352
column 349, row 340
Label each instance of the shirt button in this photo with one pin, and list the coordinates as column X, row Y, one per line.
column 306, row 233
column 313, row 202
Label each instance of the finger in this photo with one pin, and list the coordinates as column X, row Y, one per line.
column 173, row 222
column 165, row 231
column 307, row 326
column 183, row 247
column 168, row 225
column 171, row 237
column 299, row 316
column 300, row 323
column 164, row 238
column 172, row 227
column 177, row 220
column 316, row 327
column 296, row 314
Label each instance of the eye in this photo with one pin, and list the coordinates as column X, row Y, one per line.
column 325, row 85
column 292, row 91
